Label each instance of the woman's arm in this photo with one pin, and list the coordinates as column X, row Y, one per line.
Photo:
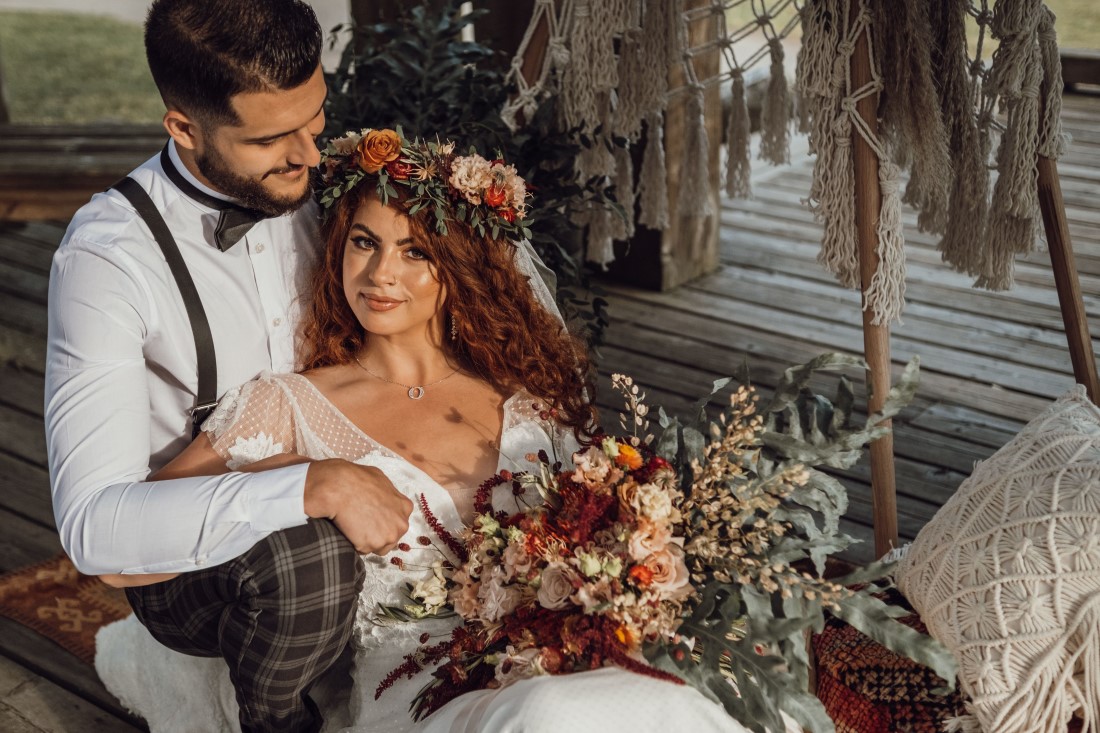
column 197, row 459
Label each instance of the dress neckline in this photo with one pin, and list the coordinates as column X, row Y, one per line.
column 506, row 407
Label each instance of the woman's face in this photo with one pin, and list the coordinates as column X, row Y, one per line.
column 389, row 281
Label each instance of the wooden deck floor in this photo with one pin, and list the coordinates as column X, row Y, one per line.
column 990, row 362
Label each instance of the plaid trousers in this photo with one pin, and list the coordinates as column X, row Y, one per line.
column 279, row 615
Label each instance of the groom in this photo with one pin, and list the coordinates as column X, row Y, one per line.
column 164, row 293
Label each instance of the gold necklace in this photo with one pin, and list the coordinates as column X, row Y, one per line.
column 415, row 391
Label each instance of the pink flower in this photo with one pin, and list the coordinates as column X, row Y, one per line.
column 594, row 468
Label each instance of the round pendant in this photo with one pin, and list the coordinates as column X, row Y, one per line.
column 416, row 393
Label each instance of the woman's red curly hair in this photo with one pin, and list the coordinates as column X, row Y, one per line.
column 503, row 335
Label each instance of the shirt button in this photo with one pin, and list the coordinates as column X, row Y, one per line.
column 277, row 322
column 200, row 561
column 259, row 248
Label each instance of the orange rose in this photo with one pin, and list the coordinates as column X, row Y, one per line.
column 629, row 457
column 377, row 148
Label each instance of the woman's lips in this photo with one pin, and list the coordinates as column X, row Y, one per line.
column 381, row 304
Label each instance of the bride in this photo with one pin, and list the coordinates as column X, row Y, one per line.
column 435, row 354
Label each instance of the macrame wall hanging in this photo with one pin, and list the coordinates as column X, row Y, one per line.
column 965, row 124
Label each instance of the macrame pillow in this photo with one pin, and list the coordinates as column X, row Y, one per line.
column 1007, row 576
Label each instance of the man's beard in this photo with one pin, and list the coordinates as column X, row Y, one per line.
column 249, row 192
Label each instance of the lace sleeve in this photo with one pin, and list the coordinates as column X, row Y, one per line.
column 252, row 422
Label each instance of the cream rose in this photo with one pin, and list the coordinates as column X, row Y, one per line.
column 670, row 572
column 648, row 538
column 556, row 586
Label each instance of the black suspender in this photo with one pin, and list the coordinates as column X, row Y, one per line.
column 200, row 326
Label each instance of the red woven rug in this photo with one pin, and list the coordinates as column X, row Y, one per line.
column 55, row 600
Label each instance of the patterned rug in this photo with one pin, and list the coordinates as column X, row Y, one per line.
column 55, row 600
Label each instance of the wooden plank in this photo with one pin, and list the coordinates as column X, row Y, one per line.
column 23, row 316
column 25, row 490
column 1080, row 66
column 34, row 704
column 19, row 251
column 721, row 334
column 25, row 350
column 23, row 435
column 23, row 389
column 23, row 283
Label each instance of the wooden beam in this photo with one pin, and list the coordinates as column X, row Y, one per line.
column 1065, row 277
column 1080, row 66
column 876, row 338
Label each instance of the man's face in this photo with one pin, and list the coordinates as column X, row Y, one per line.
column 264, row 161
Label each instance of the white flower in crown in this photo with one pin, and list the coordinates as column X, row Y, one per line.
column 347, row 144
column 470, row 176
column 249, row 450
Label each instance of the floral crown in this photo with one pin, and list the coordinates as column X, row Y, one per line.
column 487, row 195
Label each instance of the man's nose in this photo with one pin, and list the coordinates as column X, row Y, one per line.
column 304, row 150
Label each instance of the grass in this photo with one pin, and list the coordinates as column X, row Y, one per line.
column 75, row 68
column 72, row 68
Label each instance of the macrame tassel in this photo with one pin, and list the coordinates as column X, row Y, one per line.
column 738, row 167
column 836, row 206
column 1017, row 180
column 820, row 36
column 694, row 186
column 775, row 116
column 903, row 42
column 601, row 244
column 964, row 229
column 886, row 295
column 653, row 182
column 624, row 192
column 1052, row 141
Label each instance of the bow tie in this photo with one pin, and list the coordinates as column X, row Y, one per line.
column 233, row 221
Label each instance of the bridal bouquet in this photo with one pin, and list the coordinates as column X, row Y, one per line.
column 697, row 557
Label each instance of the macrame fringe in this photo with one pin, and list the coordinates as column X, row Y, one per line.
column 601, row 242
column 1057, row 684
column 885, row 297
column 738, row 167
column 652, row 183
column 775, row 115
column 624, row 192
column 694, row 196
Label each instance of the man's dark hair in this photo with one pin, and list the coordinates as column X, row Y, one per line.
column 202, row 52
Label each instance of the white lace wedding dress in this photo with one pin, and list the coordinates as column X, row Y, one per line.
column 286, row 413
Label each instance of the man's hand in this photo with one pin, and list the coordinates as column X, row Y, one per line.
column 361, row 501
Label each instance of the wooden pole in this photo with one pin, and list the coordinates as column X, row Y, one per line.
column 1065, row 277
column 876, row 338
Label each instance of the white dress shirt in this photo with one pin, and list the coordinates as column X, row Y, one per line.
column 121, row 377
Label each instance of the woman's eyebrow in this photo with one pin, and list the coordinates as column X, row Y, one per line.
column 366, row 230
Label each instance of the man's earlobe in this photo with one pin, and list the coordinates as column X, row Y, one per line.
column 181, row 128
